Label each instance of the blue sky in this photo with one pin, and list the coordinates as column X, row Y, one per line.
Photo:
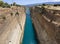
column 25, row 2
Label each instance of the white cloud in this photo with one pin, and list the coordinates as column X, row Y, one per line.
column 57, row 0
column 53, row 0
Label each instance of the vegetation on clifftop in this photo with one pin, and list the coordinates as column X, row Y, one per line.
column 2, row 4
column 6, row 5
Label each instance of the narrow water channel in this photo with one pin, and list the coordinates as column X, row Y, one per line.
column 29, row 34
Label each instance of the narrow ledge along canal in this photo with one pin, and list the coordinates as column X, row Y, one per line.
column 29, row 33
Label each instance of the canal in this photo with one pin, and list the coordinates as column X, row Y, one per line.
column 29, row 33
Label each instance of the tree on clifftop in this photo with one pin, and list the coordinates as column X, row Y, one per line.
column 14, row 4
column 6, row 5
column 43, row 4
column 1, row 3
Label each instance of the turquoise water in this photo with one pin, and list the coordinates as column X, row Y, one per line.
column 29, row 34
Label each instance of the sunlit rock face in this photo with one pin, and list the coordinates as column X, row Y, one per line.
column 12, row 25
column 47, row 24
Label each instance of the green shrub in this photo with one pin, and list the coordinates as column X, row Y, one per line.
column 8, row 6
column 11, row 14
column 17, row 13
column 55, row 4
column 4, row 17
column 42, row 9
column 43, row 4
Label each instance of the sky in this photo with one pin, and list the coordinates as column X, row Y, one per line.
column 26, row 2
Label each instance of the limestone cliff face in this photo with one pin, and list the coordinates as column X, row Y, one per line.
column 47, row 25
column 12, row 21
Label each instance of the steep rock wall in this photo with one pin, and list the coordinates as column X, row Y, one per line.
column 12, row 26
column 46, row 25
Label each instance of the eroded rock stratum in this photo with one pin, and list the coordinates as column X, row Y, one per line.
column 47, row 24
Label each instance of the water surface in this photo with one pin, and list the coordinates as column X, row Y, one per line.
column 29, row 34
